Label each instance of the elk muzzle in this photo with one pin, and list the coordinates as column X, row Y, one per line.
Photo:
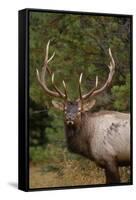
column 69, row 120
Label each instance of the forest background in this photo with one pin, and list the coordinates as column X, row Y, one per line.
column 81, row 44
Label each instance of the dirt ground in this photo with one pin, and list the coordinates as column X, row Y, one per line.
column 69, row 173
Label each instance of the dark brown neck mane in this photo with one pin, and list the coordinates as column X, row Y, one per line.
column 76, row 137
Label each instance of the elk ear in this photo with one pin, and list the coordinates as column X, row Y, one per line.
column 87, row 106
column 58, row 105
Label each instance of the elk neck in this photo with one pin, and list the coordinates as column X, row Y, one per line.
column 76, row 137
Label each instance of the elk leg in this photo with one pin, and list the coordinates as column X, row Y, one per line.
column 112, row 172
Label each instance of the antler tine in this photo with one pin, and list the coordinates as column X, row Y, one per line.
column 45, row 66
column 56, row 88
column 47, row 51
column 51, row 57
column 112, row 63
column 45, row 88
column 85, row 96
column 41, row 79
column 92, row 90
column 65, row 89
column 80, row 91
column 80, row 81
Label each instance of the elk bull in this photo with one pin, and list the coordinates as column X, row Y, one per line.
column 103, row 137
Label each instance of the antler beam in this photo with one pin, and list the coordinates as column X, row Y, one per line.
column 41, row 79
column 94, row 92
column 111, row 67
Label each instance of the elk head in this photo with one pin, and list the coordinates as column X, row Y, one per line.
column 72, row 109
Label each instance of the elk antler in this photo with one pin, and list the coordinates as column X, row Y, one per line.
column 41, row 79
column 94, row 92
